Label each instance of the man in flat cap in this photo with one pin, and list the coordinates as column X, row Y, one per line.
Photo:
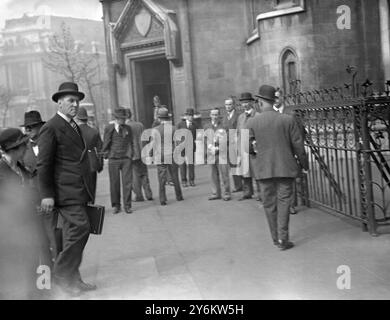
column 278, row 141
column 63, row 174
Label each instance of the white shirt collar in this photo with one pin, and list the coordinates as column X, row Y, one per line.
column 63, row 116
column 231, row 113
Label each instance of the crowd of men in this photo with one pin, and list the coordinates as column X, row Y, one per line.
column 54, row 167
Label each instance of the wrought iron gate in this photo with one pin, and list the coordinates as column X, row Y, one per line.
column 347, row 140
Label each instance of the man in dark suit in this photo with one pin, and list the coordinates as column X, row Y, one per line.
column 118, row 148
column 188, row 124
column 51, row 237
column 63, row 174
column 218, row 154
column 94, row 146
column 229, row 121
column 161, row 140
column 140, row 170
column 278, row 142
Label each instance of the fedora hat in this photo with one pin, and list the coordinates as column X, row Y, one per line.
column 68, row 88
column 163, row 113
column 190, row 112
column 11, row 138
column 121, row 113
column 267, row 93
column 32, row 118
column 82, row 114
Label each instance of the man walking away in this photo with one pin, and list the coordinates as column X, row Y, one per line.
column 278, row 141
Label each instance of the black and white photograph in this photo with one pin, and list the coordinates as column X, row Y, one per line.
column 194, row 150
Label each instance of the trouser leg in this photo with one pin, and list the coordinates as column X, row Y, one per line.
column 215, row 181
column 191, row 172
column 174, row 172
column 224, row 170
column 269, row 191
column 145, row 181
column 183, row 172
column 247, row 187
column 285, row 198
column 137, row 180
column 237, row 181
column 127, row 181
column 115, row 187
column 162, row 172
column 75, row 230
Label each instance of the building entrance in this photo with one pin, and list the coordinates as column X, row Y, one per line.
column 152, row 77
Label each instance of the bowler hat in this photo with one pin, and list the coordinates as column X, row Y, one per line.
column 82, row 114
column 32, row 118
column 190, row 112
column 267, row 93
column 246, row 96
column 68, row 88
column 121, row 113
column 11, row 138
column 163, row 113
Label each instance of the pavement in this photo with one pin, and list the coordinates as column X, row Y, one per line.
column 199, row 249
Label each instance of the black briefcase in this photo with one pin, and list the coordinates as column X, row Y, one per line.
column 96, row 218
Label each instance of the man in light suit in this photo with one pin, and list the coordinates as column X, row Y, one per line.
column 118, row 148
column 278, row 142
column 229, row 121
column 63, row 175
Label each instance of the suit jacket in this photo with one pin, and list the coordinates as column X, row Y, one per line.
column 160, row 152
column 220, row 143
column 192, row 129
column 63, row 166
column 136, row 129
column 230, row 123
column 107, row 139
column 253, row 163
column 278, row 141
column 94, row 144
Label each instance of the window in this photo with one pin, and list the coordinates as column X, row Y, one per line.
column 289, row 71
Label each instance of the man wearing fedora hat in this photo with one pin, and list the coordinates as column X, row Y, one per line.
column 94, row 145
column 118, row 148
column 63, row 175
column 278, row 142
column 51, row 240
column 163, row 156
column 188, row 124
column 247, row 168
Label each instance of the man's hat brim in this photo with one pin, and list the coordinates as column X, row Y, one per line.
column 32, row 124
column 247, row 99
column 265, row 98
column 59, row 94
column 16, row 144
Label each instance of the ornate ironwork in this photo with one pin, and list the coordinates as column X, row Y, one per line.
column 348, row 142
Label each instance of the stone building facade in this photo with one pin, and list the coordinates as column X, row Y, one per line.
column 195, row 53
column 23, row 45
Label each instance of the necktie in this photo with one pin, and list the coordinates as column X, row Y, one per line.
column 75, row 127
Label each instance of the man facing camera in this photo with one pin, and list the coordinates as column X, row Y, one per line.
column 63, row 174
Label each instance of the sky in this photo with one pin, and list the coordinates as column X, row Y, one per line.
column 90, row 9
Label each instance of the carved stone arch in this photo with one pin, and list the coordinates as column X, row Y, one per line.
column 289, row 69
column 160, row 16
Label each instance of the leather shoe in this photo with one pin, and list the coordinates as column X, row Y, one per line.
column 227, row 198
column 214, row 198
column 82, row 286
column 293, row 211
column 180, row 199
column 285, row 245
column 245, row 198
column 150, row 199
column 139, row 200
column 184, row 184
column 116, row 210
column 237, row 190
column 128, row 210
column 192, row 184
column 163, row 203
